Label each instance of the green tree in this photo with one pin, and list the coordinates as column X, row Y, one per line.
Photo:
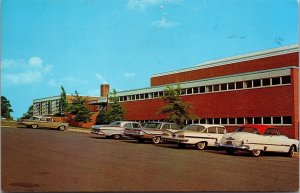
column 176, row 110
column 63, row 100
column 6, row 108
column 29, row 113
column 79, row 109
column 115, row 111
column 101, row 118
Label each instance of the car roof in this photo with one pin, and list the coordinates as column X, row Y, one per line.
column 261, row 128
column 207, row 125
column 160, row 122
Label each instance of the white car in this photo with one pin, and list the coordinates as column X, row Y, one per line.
column 257, row 138
column 115, row 129
column 151, row 131
column 200, row 135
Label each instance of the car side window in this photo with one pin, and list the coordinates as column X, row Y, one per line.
column 271, row 131
column 136, row 125
column 49, row 120
column 212, row 130
column 221, row 130
column 204, row 131
column 43, row 119
column 165, row 127
column 127, row 125
column 175, row 127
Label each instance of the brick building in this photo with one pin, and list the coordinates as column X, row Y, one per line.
column 260, row 87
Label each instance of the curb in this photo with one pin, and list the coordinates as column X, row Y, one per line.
column 79, row 130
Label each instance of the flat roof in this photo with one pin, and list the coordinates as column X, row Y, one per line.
column 236, row 59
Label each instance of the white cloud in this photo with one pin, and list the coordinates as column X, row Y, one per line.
column 163, row 23
column 19, row 72
column 101, row 78
column 129, row 74
column 35, row 61
column 142, row 4
column 53, row 83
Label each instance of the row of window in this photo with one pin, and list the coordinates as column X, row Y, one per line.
column 278, row 120
column 282, row 80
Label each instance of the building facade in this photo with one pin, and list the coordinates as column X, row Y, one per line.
column 260, row 87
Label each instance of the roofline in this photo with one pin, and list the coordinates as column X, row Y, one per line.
column 235, row 59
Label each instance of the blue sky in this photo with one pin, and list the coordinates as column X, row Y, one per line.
column 83, row 43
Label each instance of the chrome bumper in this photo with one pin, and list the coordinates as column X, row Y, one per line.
column 242, row 147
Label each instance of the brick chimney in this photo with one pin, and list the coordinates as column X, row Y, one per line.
column 104, row 90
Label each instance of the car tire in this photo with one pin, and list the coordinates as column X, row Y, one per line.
column 61, row 128
column 156, row 140
column 255, row 152
column 230, row 151
column 201, row 145
column 141, row 140
column 291, row 152
column 34, row 126
column 117, row 136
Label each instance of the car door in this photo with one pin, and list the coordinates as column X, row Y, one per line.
column 42, row 122
column 212, row 135
column 275, row 141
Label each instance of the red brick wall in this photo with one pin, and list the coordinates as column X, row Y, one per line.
column 70, row 119
column 295, row 86
column 272, row 101
column 291, row 59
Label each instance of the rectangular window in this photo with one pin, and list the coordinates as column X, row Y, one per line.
column 239, row 85
column 146, row 95
column 133, row 97
column 142, row 96
column 196, row 121
column 256, row 83
column 248, row 84
column 216, row 87
column 257, row 120
column 224, row 121
column 196, row 90
column 276, row 120
column 240, row 120
column 121, row 98
column 266, row 120
column 129, row 97
column 266, row 82
column 202, row 89
column 189, row 91
column 287, row 120
column 125, row 98
column 183, row 91
column 275, row 80
column 224, row 86
column 150, row 95
column 286, row 79
column 248, row 120
column 155, row 94
column 161, row 93
column 208, row 88
column 216, row 120
column 209, row 121
column 137, row 96
column 231, row 86
column 232, row 121
column 202, row 121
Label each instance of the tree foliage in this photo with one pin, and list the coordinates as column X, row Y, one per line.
column 29, row 113
column 63, row 99
column 115, row 111
column 101, row 118
column 6, row 108
column 176, row 110
column 78, row 108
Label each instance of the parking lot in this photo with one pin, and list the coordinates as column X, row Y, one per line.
column 48, row 160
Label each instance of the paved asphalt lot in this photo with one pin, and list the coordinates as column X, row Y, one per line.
column 48, row 160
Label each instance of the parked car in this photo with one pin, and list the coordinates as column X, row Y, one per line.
column 43, row 122
column 257, row 138
column 115, row 129
column 151, row 131
column 200, row 135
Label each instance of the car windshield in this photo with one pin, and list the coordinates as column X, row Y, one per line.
column 152, row 125
column 116, row 123
column 247, row 129
column 194, row 128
